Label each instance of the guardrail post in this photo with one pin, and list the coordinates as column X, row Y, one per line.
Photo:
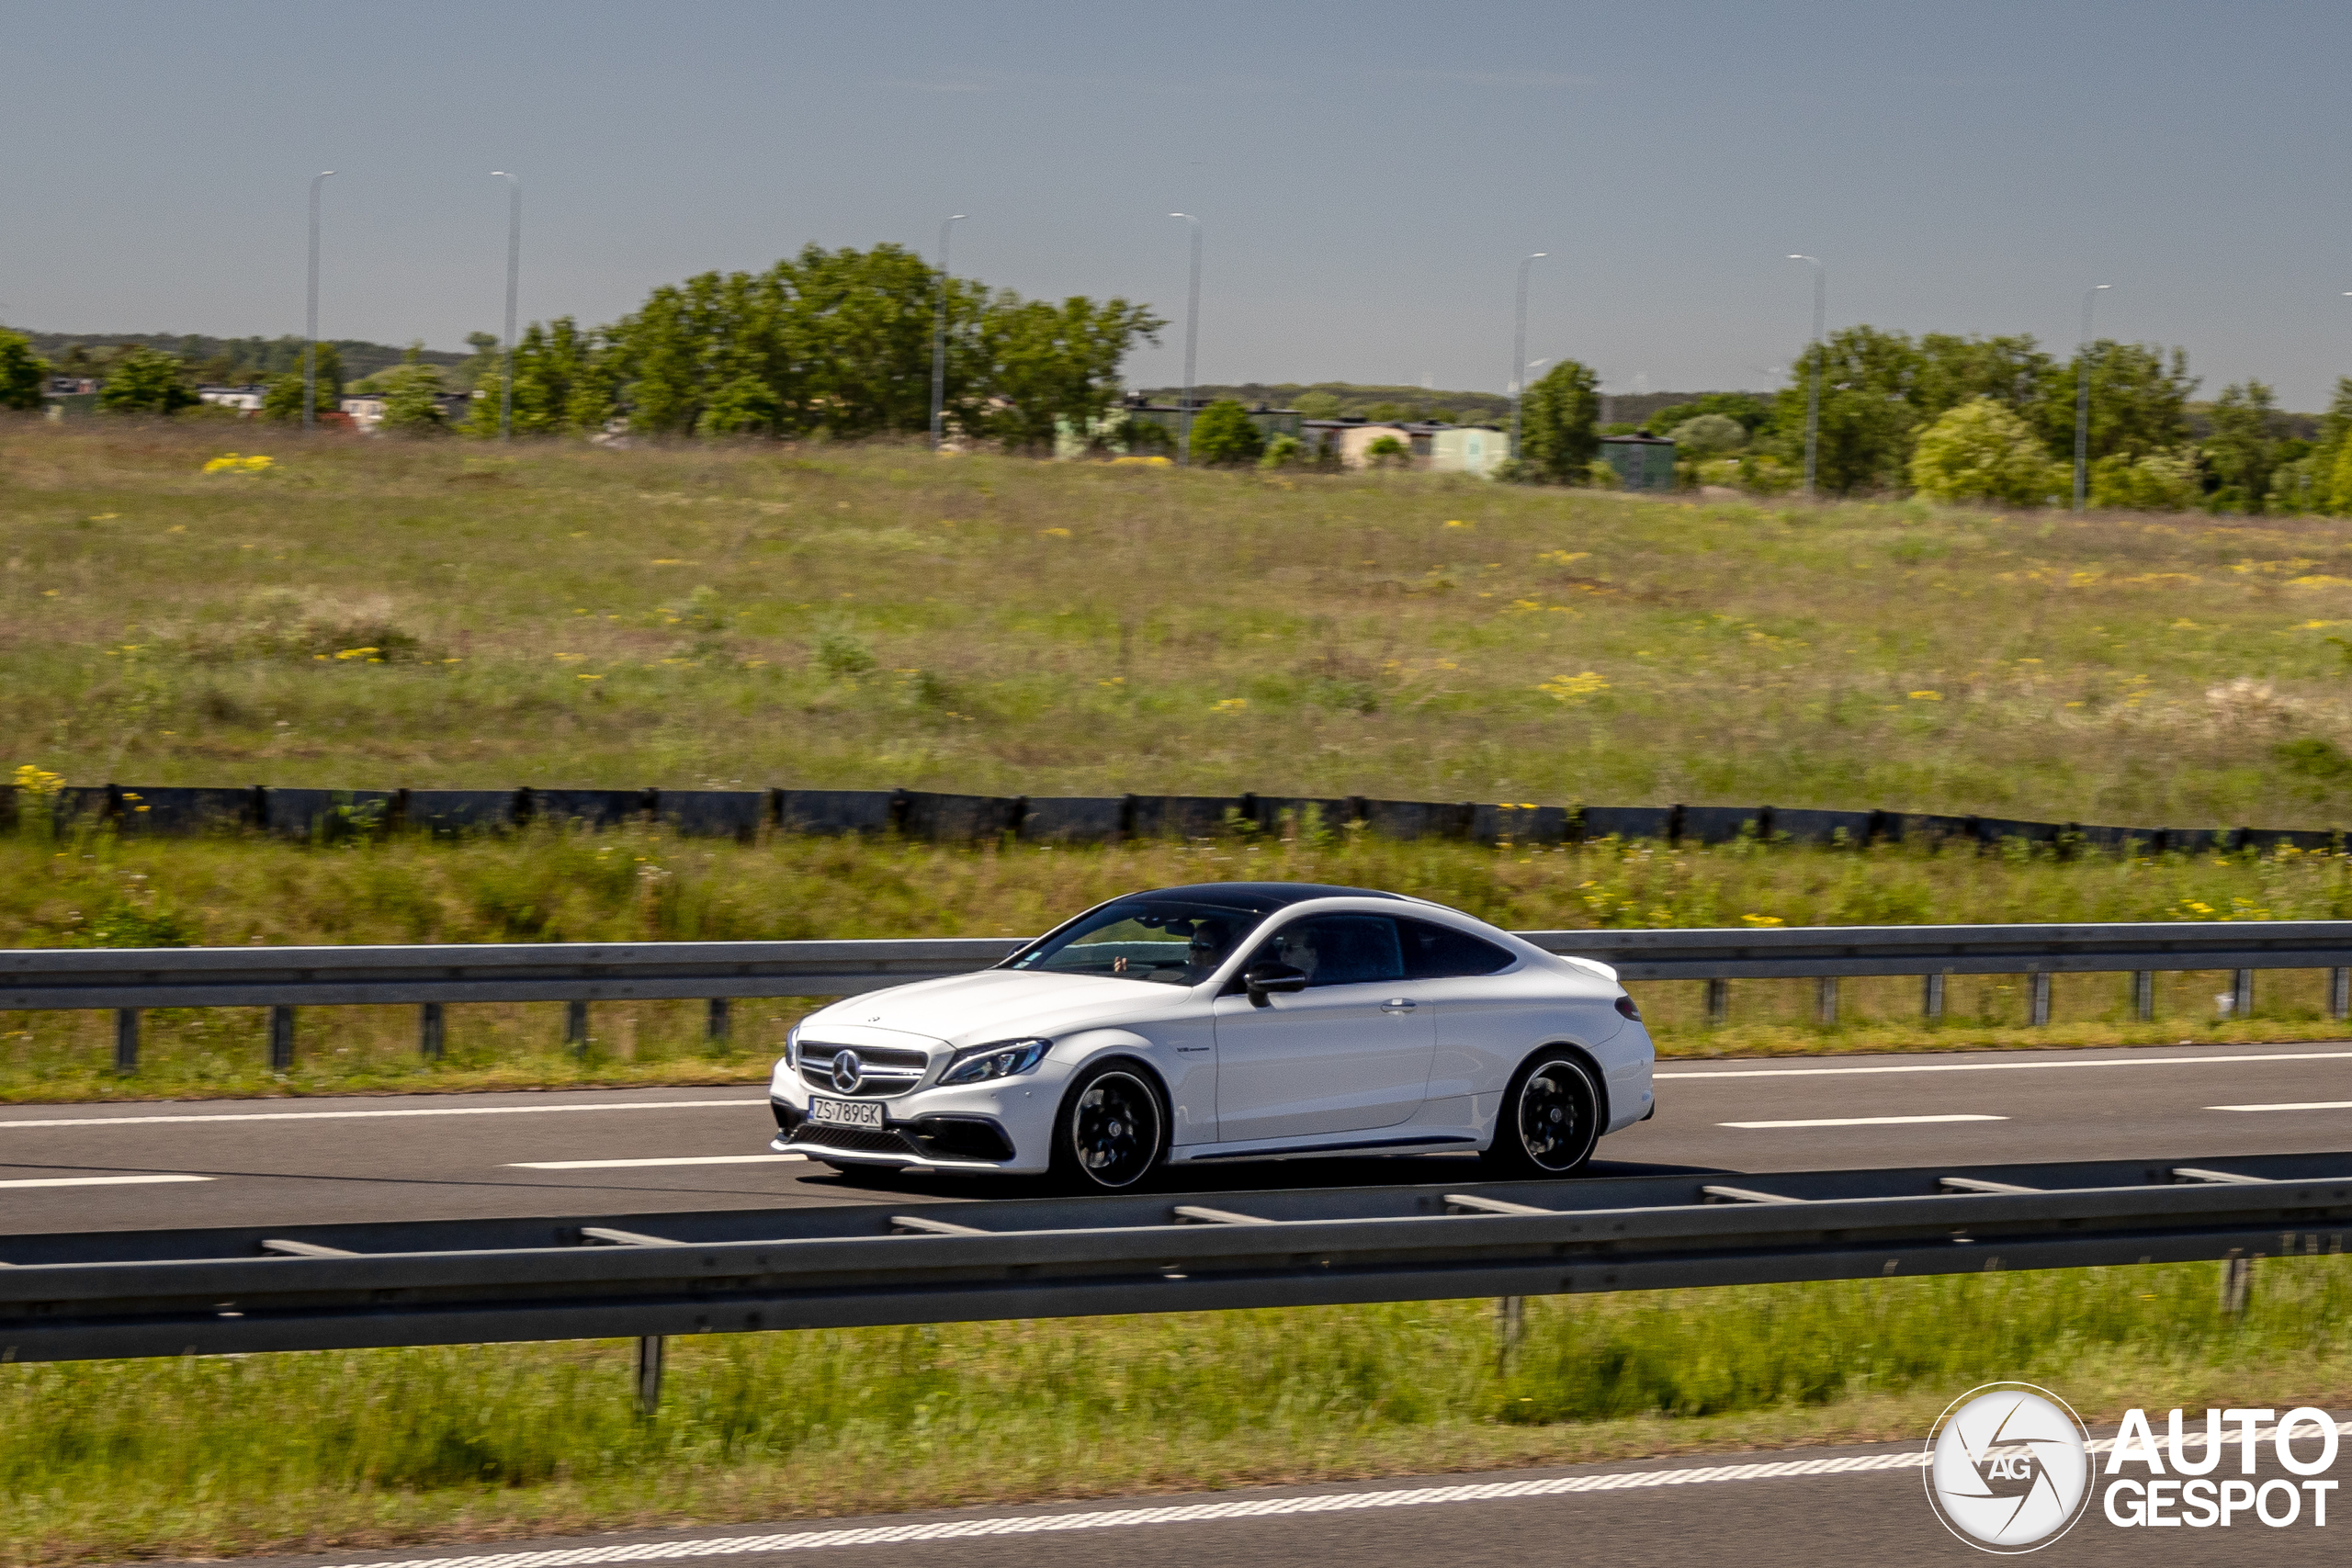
column 1718, row 1003
column 429, row 1031
column 651, row 1350
column 718, row 1023
column 2339, row 993
column 575, row 1025
column 2241, row 994
column 281, row 1039
column 2039, row 1002
column 1931, row 997
column 2143, row 995
column 2237, row 1282
column 1824, row 999
column 126, row 1040
column 1510, row 1325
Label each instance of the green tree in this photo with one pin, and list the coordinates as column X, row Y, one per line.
column 2139, row 401
column 2243, row 449
column 1981, row 451
column 24, row 375
column 2154, row 482
column 1870, row 409
column 1558, row 420
column 282, row 400
column 1043, row 367
column 1224, row 435
column 146, row 380
column 1707, row 436
column 562, row 385
column 1319, row 405
column 476, row 369
column 412, row 396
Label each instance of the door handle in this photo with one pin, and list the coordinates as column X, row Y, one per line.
column 1398, row 1004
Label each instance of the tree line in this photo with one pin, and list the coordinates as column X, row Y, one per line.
column 1961, row 418
column 838, row 341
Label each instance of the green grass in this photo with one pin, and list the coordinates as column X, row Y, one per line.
column 644, row 886
column 202, row 1457
column 837, row 616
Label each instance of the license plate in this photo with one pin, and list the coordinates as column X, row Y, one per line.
column 844, row 1112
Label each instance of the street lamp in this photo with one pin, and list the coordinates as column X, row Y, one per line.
column 1192, row 335
column 2083, row 402
column 1812, row 398
column 1519, row 366
column 939, row 340
column 514, row 271
column 311, row 316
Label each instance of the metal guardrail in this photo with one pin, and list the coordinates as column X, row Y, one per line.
column 80, row 1297
column 312, row 976
column 283, row 978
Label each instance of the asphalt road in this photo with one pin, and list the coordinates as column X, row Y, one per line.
column 333, row 1161
column 1648, row 1514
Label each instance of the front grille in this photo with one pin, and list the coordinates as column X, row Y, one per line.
column 884, row 1070
column 855, row 1140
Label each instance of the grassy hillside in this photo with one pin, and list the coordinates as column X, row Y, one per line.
column 453, row 614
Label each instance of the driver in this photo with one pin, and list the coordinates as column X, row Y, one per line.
column 1212, row 938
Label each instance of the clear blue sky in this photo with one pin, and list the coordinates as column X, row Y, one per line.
column 1369, row 173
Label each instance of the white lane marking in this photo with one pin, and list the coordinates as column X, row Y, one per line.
column 1861, row 1121
column 100, row 1180
column 364, row 1115
column 632, row 1164
column 1186, row 1513
column 2300, row 1105
column 2012, row 1067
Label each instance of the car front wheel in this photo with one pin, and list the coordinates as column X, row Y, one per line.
column 1112, row 1132
column 1550, row 1119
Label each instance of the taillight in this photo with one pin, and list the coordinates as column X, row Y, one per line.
column 1626, row 1009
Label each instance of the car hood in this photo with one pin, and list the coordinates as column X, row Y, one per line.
column 997, row 1004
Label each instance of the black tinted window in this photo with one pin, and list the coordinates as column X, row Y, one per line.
column 1338, row 950
column 1438, row 953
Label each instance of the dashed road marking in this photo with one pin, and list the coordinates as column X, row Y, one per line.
column 2014, row 1067
column 371, row 1115
column 634, row 1164
column 1862, row 1121
column 100, row 1180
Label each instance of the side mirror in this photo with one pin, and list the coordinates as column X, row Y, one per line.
column 1266, row 979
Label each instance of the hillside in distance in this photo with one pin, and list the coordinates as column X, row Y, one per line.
column 232, row 360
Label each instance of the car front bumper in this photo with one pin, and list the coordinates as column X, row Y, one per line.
column 1004, row 1126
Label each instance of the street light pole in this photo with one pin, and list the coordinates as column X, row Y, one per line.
column 310, row 315
column 1519, row 351
column 939, row 341
column 2083, row 402
column 1812, row 398
column 1191, row 337
column 514, row 272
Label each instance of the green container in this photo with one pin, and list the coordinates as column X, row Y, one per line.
column 1642, row 462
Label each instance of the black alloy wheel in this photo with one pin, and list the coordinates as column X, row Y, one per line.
column 1112, row 1132
column 1550, row 1121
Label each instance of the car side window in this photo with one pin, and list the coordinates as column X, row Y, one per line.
column 1338, row 950
column 1438, row 953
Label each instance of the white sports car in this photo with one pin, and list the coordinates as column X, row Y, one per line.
column 1222, row 1022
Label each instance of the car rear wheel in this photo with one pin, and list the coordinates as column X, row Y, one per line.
column 1113, row 1129
column 1550, row 1119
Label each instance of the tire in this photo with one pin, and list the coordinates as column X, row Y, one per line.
column 1113, row 1129
column 1550, row 1119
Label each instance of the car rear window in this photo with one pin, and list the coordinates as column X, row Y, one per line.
column 1441, row 953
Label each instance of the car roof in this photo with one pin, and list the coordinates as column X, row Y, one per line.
column 1261, row 895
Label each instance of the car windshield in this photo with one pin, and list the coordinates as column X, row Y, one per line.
column 1172, row 940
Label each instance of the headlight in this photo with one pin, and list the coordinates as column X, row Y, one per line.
column 1001, row 1060
column 792, row 1048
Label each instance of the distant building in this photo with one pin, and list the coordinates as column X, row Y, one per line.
column 244, row 399
column 1642, row 462
column 1434, row 446
column 365, row 409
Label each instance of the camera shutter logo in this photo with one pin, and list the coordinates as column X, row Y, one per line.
column 2008, row 1472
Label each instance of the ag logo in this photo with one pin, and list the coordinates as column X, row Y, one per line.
column 2005, row 1468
